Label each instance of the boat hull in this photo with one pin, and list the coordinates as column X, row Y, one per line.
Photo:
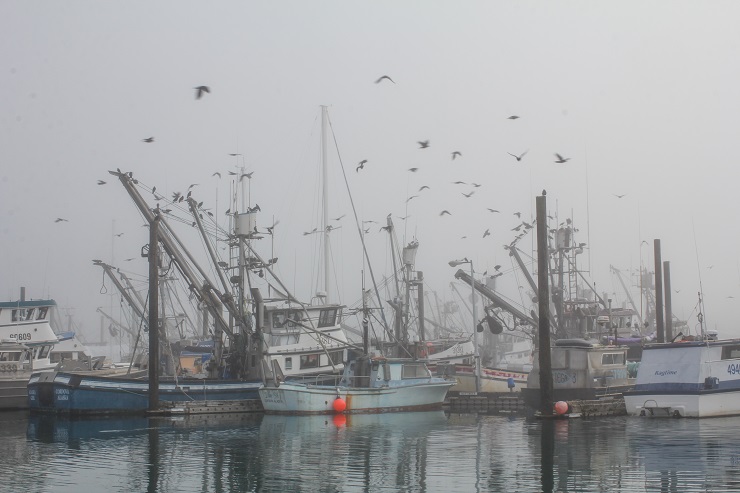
column 71, row 393
column 13, row 393
column 686, row 405
column 493, row 380
column 291, row 398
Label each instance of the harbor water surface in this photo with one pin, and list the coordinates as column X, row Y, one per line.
column 410, row 452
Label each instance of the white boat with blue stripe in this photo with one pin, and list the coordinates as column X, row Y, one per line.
column 690, row 378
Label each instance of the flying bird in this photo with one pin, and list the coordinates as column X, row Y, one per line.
column 101, row 182
column 61, row 219
column 200, row 90
column 476, row 185
column 413, row 170
column 513, row 117
column 248, row 175
column 492, row 210
column 456, row 154
column 423, row 144
column 119, row 235
column 380, row 79
column 234, row 154
column 412, row 197
column 619, row 196
column 216, row 174
column 459, row 183
column 519, row 157
column 128, row 259
column 423, row 187
column 486, row 233
column 561, row 159
column 518, row 214
column 338, row 218
column 148, row 140
column 468, row 195
column 496, row 267
column 361, row 165
column 445, row 212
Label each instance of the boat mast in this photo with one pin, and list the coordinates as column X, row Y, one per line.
column 325, row 203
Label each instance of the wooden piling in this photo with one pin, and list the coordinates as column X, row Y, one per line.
column 658, row 292
column 153, row 314
column 545, row 361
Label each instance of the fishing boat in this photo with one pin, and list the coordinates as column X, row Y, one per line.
column 26, row 340
column 693, row 378
column 581, row 370
column 367, row 385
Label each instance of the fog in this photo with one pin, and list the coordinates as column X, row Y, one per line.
column 641, row 97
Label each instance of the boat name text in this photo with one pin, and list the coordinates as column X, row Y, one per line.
column 23, row 336
column 734, row 369
column 663, row 373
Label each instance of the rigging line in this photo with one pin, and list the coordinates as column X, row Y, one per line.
column 702, row 321
column 357, row 223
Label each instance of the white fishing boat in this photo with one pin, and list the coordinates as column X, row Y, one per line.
column 26, row 339
column 368, row 385
column 688, row 378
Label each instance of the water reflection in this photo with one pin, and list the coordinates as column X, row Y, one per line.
column 416, row 452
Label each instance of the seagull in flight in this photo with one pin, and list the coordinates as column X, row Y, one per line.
column 468, row 195
column 247, row 175
column 518, row 214
column 216, row 174
column 423, row 187
column 619, row 196
column 234, row 154
column 361, row 165
column 101, row 182
column 380, row 79
column 199, row 90
column 456, row 154
column 412, row 197
column 148, row 140
column 486, row 233
column 423, row 144
column 561, row 159
column 492, row 210
column 61, row 219
column 338, row 218
column 519, row 157
column 413, row 170
column 513, row 117
column 459, row 183
column 445, row 212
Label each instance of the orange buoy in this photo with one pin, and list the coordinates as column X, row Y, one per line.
column 339, row 404
column 561, row 407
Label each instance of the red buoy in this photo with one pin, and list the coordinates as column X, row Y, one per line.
column 561, row 407
column 339, row 405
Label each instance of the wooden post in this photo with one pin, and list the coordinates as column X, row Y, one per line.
column 153, row 314
column 420, row 298
column 658, row 292
column 544, row 308
column 668, row 308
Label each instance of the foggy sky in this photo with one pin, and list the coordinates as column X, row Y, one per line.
column 642, row 97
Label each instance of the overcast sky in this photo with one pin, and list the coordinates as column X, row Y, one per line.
column 641, row 96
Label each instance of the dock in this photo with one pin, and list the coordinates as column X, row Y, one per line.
column 486, row 403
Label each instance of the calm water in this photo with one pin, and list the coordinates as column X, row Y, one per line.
column 414, row 452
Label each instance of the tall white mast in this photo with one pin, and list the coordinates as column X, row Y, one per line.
column 325, row 199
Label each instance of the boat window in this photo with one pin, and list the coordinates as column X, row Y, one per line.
column 414, row 371
column 327, row 317
column 42, row 313
column 336, row 357
column 19, row 314
column 278, row 320
column 44, row 352
column 309, row 361
column 730, row 352
column 288, row 363
column 29, row 314
column 612, row 359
